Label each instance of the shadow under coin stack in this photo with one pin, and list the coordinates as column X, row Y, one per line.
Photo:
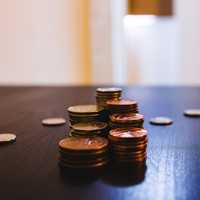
column 85, row 113
column 128, row 145
column 88, row 153
column 90, row 129
column 105, row 94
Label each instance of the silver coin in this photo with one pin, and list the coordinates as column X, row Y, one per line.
column 161, row 121
column 7, row 138
column 55, row 121
column 112, row 89
column 192, row 112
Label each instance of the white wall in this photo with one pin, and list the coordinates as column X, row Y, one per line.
column 41, row 41
column 166, row 51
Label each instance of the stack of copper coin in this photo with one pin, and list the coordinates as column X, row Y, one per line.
column 105, row 94
column 85, row 113
column 128, row 145
column 122, row 106
column 83, row 153
column 89, row 129
column 126, row 120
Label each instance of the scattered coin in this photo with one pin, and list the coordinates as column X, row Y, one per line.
column 161, row 121
column 7, row 138
column 53, row 121
column 192, row 113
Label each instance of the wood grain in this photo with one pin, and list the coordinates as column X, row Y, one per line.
column 28, row 168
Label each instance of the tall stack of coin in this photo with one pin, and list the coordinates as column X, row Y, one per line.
column 128, row 145
column 122, row 106
column 105, row 94
column 85, row 113
column 89, row 129
column 85, row 153
column 126, row 120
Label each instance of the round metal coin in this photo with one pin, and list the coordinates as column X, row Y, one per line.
column 111, row 89
column 83, row 144
column 121, row 102
column 161, row 121
column 7, row 138
column 53, row 121
column 85, row 109
column 130, row 134
column 126, row 118
column 90, row 126
column 192, row 112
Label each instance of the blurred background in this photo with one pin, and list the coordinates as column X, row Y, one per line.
column 73, row 42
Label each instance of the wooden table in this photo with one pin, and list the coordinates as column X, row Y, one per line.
column 29, row 170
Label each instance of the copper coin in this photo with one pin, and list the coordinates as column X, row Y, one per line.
column 192, row 113
column 83, row 143
column 83, row 161
column 54, row 121
column 109, row 90
column 90, row 126
column 131, row 160
column 83, row 109
column 161, row 121
column 121, row 102
column 7, row 138
column 126, row 118
column 120, row 134
column 129, row 146
column 78, row 166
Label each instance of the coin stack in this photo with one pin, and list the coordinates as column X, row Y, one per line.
column 89, row 129
column 105, row 94
column 85, row 113
column 128, row 145
column 126, row 120
column 83, row 153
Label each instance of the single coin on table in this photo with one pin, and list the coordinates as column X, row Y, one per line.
column 161, row 121
column 7, row 138
column 54, row 121
column 192, row 112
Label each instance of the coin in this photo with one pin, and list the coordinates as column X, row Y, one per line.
column 86, row 166
column 83, row 109
column 128, row 134
column 126, row 118
column 83, row 144
column 53, row 121
column 90, row 127
column 121, row 102
column 108, row 90
column 161, row 121
column 7, row 138
column 192, row 112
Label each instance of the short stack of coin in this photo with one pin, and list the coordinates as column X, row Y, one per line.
column 85, row 153
column 89, row 129
column 128, row 145
column 105, row 94
column 85, row 113
column 126, row 120
column 122, row 106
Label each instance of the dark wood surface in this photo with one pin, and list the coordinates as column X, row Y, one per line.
column 29, row 170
